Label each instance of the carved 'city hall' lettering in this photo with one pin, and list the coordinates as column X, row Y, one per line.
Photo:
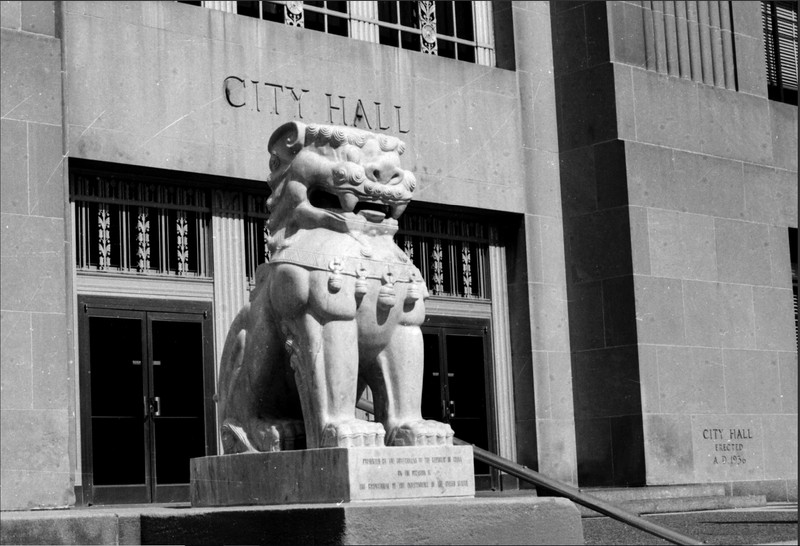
column 281, row 99
column 712, row 434
column 741, row 434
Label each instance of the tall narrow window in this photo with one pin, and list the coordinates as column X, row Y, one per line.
column 446, row 29
column 793, row 255
column 328, row 16
column 780, row 41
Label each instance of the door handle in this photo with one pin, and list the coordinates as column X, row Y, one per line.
column 152, row 406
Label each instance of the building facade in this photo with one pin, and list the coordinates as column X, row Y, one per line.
column 606, row 219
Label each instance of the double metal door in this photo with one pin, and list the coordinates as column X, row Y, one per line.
column 457, row 384
column 147, row 383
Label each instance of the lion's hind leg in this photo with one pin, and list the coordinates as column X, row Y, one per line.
column 254, row 395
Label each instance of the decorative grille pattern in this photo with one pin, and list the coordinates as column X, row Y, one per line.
column 446, row 29
column 126, row 226
column 451, row 253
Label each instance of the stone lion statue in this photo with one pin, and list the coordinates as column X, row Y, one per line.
column 337, row 308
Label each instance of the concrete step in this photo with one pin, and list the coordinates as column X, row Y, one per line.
column 681, row 504
column 516, row 520
column 621, row 494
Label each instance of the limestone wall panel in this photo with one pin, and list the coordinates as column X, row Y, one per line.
column 149, row 88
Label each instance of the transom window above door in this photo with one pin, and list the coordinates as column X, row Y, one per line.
column 138, row 224
column 131, row 226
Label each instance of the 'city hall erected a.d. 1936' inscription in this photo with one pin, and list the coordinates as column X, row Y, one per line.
column 730, row 445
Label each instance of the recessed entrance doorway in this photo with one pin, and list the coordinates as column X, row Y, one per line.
column 146, row 397
column 457, row 387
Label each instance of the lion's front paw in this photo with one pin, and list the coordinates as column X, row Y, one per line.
column 234, row 438
column 422, row 433
column 355, row 433
column 278, row 434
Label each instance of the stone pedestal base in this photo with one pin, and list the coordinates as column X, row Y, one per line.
column 332, row 475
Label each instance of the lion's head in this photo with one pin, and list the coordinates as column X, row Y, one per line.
column 340, row 178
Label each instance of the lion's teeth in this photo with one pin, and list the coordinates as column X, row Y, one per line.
column 348, row 201
column 397, row 210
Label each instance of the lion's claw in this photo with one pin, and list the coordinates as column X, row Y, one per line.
column 421, row 433
column 355, row 433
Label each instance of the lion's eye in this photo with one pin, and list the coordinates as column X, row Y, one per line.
column 354, row 155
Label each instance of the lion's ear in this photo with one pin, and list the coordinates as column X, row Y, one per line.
column 287, row 140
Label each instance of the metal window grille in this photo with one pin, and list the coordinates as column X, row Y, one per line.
column 123, row 225
column 780, row 42
column 255, row 234
column 446, row 29
column 451, row 253
column 330, row 17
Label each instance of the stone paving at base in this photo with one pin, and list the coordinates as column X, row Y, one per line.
column 772, row 524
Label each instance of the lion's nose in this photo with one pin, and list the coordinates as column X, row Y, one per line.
column 389, row 175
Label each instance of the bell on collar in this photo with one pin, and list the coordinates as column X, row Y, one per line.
column 361, row 281
column 387, row 297
column 413, row 292
column 335, row 279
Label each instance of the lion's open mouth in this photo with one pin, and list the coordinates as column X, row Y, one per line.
column 372, row 210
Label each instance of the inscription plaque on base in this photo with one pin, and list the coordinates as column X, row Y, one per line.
column 333, row 475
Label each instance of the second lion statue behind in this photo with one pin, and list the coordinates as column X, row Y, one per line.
column 338, row 307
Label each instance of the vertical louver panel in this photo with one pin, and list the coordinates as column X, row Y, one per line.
column 690, row 39
column 780, row 42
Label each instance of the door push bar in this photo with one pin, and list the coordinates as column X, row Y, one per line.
column 573, row 494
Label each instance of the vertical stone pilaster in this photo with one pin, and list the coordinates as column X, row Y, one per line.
column 546, row 436
column 230, row 284
column 223, row 5
column 501, row 344
column 364, row 21
column 691, row 40
column 484, row 33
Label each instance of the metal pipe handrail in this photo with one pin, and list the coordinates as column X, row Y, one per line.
column 573, row 494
